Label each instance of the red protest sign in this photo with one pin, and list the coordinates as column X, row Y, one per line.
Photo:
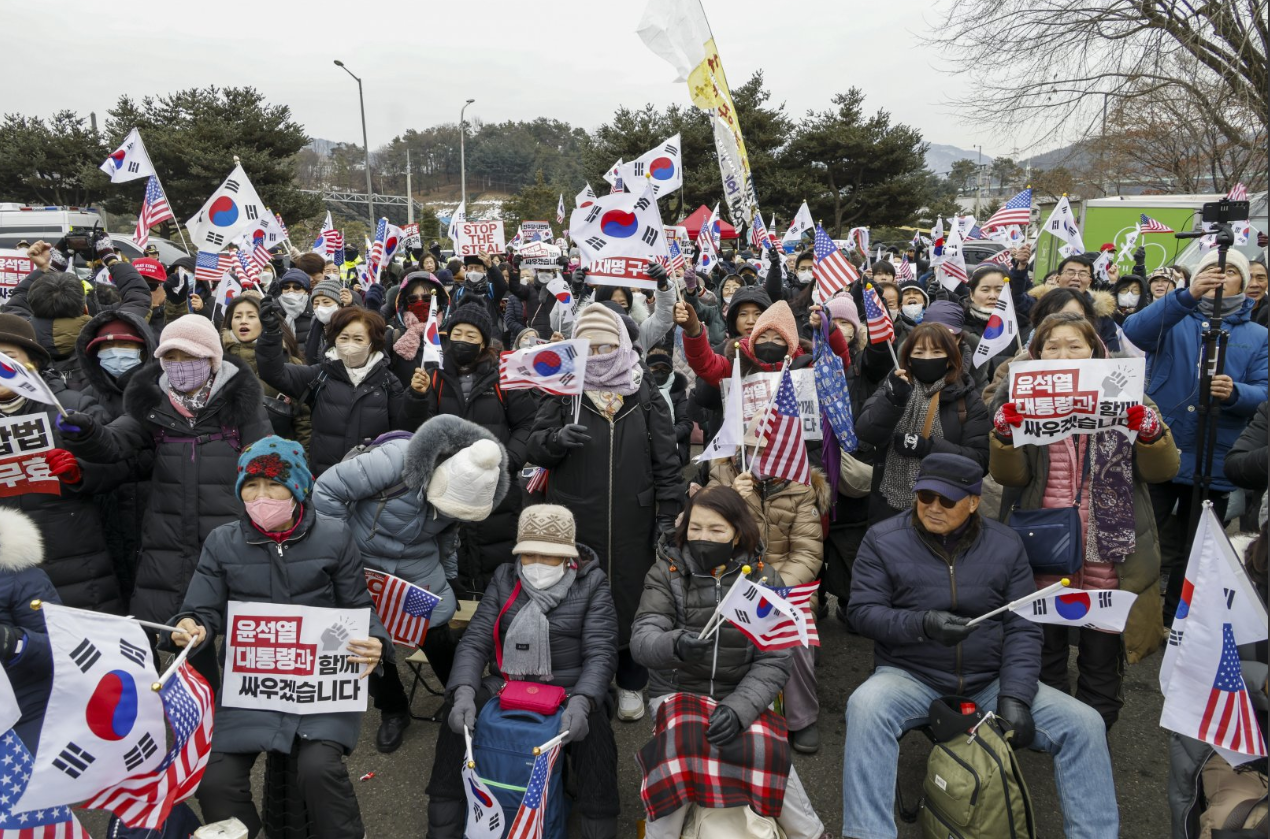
column 14, row 268
column 25, row 442
column 620, row 271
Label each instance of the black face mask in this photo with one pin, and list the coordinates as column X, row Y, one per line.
column 711, row 554
column 464, row 352
column 660, row 375
column 928, row 370
column 770, row 353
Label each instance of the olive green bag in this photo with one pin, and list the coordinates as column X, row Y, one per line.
column 974, row 786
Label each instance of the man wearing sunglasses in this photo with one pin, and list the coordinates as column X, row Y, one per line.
column 918, row 579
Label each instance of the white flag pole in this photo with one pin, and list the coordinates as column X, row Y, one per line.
column 717, row 620
column 467, row 739
column 736, row 361
column 167, row 674
column 552, row 743
column 1045, row 592
column 714, row 618
column 39, row 604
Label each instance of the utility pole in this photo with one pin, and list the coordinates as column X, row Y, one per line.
column 370, row 193
column 463, row 154
column 410, row 196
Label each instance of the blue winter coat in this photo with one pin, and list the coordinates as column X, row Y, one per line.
column 900, row 572
column 21, row 581
column 1169, row 331
column 404, row 536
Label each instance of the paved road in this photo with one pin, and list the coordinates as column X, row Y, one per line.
column 394, row 804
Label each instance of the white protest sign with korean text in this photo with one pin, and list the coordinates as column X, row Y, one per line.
column 540, row 256
column 1074, row 396
column 25, row 442
column 15, row 267
column 530, row 229
column 757, row 390
column 475, row 237
column 293, row 659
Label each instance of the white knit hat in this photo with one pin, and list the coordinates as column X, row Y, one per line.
column 1234, row 259
column 463, row 486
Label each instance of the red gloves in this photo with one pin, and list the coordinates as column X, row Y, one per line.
column 63, row 464
column 1007, row 416
column 1146, row 422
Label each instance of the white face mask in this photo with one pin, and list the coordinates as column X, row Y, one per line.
column 804, row 277
column 541, row 575
column 324, row 313
column 1128, row 299
column 912, row 311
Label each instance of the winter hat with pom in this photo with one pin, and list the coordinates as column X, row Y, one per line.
column 463, row 486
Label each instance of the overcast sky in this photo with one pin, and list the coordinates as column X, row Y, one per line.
column 574, row 60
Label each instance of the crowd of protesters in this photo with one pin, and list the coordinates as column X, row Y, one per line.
column 200, row 444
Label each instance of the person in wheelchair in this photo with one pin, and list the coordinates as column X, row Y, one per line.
column 919, row 578
column 556, row 624
column 715, row 539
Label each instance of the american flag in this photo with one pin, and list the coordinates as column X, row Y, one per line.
column 1229, row 719
column 403, row 608
column 677, row 261
column 377, row 249
column 1150, row 225
column 278, row 218
column 956, row 269
column 560, row 210
column 144, row 801
column 54, row 823
column 880, row 327
column 529, row 818
column 759, row 237
column 260, row 252
column 249, row 271
column 833, row 271
column 1237, row 193
column 1018, row 210
column 210, row 267
column 154, row 210
column 537, row 481
column 785, row 455
column 785, row 634
column 905, row 271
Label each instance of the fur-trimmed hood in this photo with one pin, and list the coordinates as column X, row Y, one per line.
column 1104, row 302
column 102, row 381
column 241, row 391
column 439, row 439
column 21, row 545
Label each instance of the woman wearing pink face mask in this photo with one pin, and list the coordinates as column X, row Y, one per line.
column 187, row 415
column 281, row 551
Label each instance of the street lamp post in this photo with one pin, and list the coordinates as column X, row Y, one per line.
column 370, row 197
column 463, row 154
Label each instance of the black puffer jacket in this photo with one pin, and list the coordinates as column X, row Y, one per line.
column 616, row 485
column 75, row 554
column 583, row 632
column 680, row 597
column 123, row 507
column 343, row 415
column 509, row 416
column 317, row 565
column 192, row 477
column 396, row 307
column 534, row 311
column 962, row 415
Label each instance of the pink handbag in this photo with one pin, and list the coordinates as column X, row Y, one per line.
column 520, row 695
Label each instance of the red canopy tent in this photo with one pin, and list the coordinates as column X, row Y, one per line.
column 699, row 217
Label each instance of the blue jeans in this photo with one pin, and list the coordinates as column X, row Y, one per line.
column 892, row 701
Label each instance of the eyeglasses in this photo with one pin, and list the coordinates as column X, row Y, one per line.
column 929, row 496
column 602, row 349
column 292, row 287
column 1077, row 275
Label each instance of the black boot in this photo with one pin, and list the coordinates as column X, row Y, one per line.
column 447, row 818
column 806, row 740
column 392, row 730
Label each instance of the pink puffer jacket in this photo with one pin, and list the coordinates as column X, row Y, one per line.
column 1066, row 458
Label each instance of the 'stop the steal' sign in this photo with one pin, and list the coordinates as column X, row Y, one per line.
column 472, row 238
column 293, row 659
column 1075, row 396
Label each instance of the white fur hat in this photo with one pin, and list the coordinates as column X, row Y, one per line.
column 21, row 545
column 463, row 486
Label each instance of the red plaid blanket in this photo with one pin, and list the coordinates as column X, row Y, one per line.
column 680, row 767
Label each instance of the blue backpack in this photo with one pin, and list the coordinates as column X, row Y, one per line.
column 503, row 746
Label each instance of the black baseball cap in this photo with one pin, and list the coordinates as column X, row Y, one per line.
column 951, row 475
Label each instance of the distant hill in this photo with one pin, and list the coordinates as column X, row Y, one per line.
column 1077, row 156
column 322, row 147
column 940, row 157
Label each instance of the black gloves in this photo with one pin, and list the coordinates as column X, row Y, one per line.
column 774, row 257
column 898, row 390
column 572, row 436
column 910, row 445
column 269, row 319
column 690, row 649
column 724, row 726
column 1018, row 717
column 175, row 289
column 10, row 635
column 374, row 297
column 655, row 271
column 574, row 719
column 75, row 425
column 946, row 628
column 579, row 276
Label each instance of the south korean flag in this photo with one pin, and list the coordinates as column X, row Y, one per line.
column 618, row 236
column 104, row 722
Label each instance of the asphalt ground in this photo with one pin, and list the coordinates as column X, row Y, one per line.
column 394, row 804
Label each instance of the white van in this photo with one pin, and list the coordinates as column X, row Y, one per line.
column 20, row 222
